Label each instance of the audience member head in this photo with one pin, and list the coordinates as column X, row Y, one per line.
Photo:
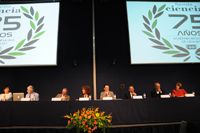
column 64, row 91
column 106, row 87
column 86, row 89
column 6, row 90
column 30, row 89
column 131, row 89
column 178, row 86
column 157, row 86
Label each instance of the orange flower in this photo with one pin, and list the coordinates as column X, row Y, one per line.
column 94, row 128
column 88, row 113
column 95, row 117
column 66, row 116
column 80, row 117
column 71, row 119
column 91, row 111
column 95, row 122
column 83, row 109
column 109, row 116
column 102, row 113
column 97, row 109
column 109, row 121
column 89, row 131
column 74, row 122
column 83, row 122
column 89, row 117
column 85, row 116
column 89, row 128
column 68, row 121
column 86, row 126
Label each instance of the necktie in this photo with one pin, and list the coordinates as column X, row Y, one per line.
column 132, row 96
column 106, row 94
column 29, row 95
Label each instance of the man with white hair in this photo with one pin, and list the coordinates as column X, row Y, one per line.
column 64, row 96
column 31, row 94
column 157, row 91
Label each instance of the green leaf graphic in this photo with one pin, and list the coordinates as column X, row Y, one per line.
column 150, row 15
column 167, row 43
column 32, row 25
column 36, row 16
column 161, row 8
column 154, row 24
column 148, row 34
column 24, row 9
column 171, row 52
column 16, row 53
column 39, row 34
column 20, row 44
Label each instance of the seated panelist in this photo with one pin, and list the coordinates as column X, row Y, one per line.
column 131, row 93
column 179, row 91
column 106, row 92
column 86, row 91
column 64, row 96
column 31, row 94
column 157, row 91
column 7, row 95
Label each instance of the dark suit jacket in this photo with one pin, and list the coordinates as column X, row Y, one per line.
column 155, row 95
column 82, row 95
column 127, row 96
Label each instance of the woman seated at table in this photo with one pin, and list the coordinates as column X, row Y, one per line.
column 179, row 91
column 7, row 95
column 86, row 92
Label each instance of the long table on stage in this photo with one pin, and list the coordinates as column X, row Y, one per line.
column 140, row 111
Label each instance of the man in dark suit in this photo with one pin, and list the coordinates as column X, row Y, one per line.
column 131, row 93
column 157, row 91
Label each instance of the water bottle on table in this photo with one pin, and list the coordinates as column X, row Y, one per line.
column 144, row 95
column 115, row 97
column 193, row 93
column 90, row 97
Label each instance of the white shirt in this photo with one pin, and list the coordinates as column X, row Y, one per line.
column 33, row 96
column 158, row 92
column 6, row 97
column 131, row 95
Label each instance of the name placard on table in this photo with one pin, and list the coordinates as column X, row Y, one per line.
column 25, row 99
column 83, row 99
column 138, row 97
column 165, row 96
column 189, row 95
column 107, row 98
column 55, row 99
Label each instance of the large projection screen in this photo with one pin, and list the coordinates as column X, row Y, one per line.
column 164, row 32
column 28, row 34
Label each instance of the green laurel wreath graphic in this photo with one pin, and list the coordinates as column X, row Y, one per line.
column 32, row 36
column 155, row 37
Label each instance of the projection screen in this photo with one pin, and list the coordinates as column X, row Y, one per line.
column 164, row 32
column 28, row 34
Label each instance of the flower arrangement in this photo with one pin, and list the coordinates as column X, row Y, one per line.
column 88, row 120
